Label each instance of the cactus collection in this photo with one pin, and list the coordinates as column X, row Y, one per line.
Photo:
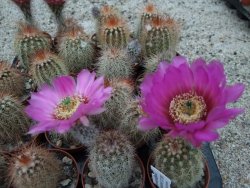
column 112, row 159
column 179, row 161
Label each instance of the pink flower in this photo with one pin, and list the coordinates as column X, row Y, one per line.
column 59, row 106
column 189, row 101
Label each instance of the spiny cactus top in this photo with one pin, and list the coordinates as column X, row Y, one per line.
column 189, row 100
column 11, row 81
column 59, row 106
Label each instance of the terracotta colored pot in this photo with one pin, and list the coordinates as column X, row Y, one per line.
column 70, row 150
column 137, row 158
column 206, row 171
column 74, row 163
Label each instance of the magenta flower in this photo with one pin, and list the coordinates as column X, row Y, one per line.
column 189, row 101
column 59, row 106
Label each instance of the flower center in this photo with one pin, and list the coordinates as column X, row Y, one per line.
column 68, row 106
column 187, row 108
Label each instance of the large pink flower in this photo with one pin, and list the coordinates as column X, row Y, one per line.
column 59, row 106
column 189, row 100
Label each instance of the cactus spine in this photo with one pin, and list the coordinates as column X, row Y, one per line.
column 45, row 66
column 11, row 81
column 179, row 161
column 159, row 35
column 30, row 40
column 13, row 121
column 75, row 47
column 34, row 167
column 115, row 63
column 112, row 160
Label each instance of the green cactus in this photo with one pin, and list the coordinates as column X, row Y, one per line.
column 3, row 172
column 159, row 35
column 130, row 121
column 178, row 160
column 13, row 122
column 113, row 32
column 30, row 40
column 34, row 167
column 45, row 66
column 115, row 63
column 122, row 92
column 112, row 160
column 11, row 81
column 74, row 47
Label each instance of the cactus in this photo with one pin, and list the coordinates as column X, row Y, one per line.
column 56, row 7
column 75, row 47
column 85, row 135
column 45, row 66
column 24, row 5
column 34, row 167
column 11, row 81
column 147, row 14
column 134, row 51
column 130, row 120
column 178, row 160
column 29, row 40
column 3, row 172
column 122, row 92
column 115, row 63
column 159, row 35
column 112, row 160
column 113, row 32
column 13, row 122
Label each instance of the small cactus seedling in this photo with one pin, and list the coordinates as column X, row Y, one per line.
column 130, row 121
column 113, row 32
column 13, row 122
column 86, row 135
column 115, row 63
column 24, row 5
column 56, row 7
column 159, row 35
column 30, row 40
column 45, row 66
column 122, row 92
column 112, row 160
column 75, row 47
column 34, row 167
column 3, row 172
column 178, row 160
column 11, row 81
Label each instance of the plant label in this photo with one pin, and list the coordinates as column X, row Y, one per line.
column 160, row 179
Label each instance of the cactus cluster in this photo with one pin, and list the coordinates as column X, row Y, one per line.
column 29, row 40
column 13, row 121
column 34, row 167
column 74, row 47
column 45, row 66
column 11, row 81
column 115, row 63
column 112, row 160
column 178, row 160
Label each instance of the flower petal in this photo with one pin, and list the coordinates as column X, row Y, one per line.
column 64, row 86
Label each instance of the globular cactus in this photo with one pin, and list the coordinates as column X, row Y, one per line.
column 153, row 61
column 24, row 5
column 56, row 7
column 11, row 81
column 30, row 40
column 179, row 161
column 86, row 135
column 159, row 35
column 34, row 167
column 112, row 160
column 130, row 121
column 3, row 172
column 13, row 122
column 122, row 92
column 146, row 15
column 75, row 47
column 113, row 32
column 115, row 63
column 45, row 66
